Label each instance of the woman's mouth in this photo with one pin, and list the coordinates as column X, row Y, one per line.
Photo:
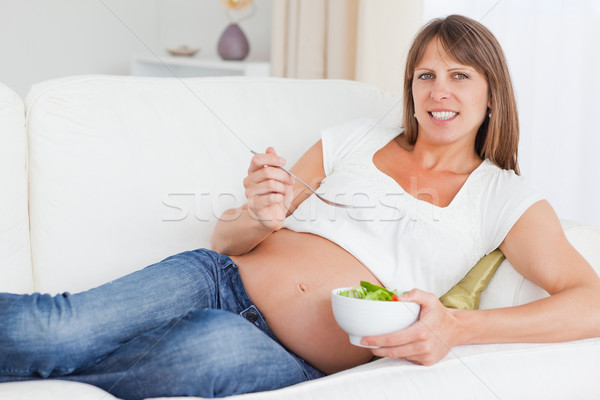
column 443, row 115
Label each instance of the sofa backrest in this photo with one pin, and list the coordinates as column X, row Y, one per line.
column 15, row 253
column 125, row 171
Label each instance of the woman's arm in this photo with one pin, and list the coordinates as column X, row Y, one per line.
column 538, row 249
column 271, row 195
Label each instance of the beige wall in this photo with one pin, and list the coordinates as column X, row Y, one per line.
column 385, row 31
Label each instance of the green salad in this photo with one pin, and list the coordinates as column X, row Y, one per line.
column 369, row 291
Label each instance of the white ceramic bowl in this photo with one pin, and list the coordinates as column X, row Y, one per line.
column 360, row 318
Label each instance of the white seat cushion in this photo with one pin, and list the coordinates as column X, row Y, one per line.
column 555, row 371
column 52, row 390
column 15, row 254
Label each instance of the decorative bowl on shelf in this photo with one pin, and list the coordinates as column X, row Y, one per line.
column 183, row 51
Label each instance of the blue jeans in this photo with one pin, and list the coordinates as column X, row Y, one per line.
column 182, row 327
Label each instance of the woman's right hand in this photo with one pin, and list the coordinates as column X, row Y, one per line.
column 272, row 195
column 268, row 190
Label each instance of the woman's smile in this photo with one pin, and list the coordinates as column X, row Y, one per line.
column 442, row 116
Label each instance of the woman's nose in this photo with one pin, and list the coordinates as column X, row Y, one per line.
column 440, row 90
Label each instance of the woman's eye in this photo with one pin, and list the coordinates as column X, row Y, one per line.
column 426, row 76
column 460, row 76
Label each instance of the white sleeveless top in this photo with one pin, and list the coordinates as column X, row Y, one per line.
column 405, row 242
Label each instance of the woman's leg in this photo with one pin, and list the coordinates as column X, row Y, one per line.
column 208, row 353
column 43, row 335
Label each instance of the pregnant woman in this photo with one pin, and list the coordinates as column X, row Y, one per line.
column 254, row 313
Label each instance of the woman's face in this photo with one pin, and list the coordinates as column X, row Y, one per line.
column 450, row 99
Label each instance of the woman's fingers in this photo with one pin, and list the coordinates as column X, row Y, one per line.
column 418, row 344
column 267, row 173
column 426, row 341
column 425, row 299
column 415, row 352
column 268, row 186
column 268, row 189
column 260, row 199
column 403, row 337
column 270, row 158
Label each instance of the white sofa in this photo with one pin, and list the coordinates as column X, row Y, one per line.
column 103, row 175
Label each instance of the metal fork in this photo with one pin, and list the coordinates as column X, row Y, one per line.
column 323, row 199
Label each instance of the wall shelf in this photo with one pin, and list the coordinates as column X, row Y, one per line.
column 187, row 67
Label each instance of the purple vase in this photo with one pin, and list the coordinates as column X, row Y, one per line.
column 233, row 44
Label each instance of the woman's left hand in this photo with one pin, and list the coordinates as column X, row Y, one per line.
column 426, row 341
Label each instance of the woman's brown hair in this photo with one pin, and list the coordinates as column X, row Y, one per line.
column 472, row 44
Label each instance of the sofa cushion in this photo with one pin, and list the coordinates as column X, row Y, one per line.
column 125, row 171
column 15, row 254
column 466, row 294
column 52, row 390
column 515, row 371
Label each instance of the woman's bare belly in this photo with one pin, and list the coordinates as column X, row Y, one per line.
column 289, row 277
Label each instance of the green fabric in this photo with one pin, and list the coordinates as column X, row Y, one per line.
column 466, row 294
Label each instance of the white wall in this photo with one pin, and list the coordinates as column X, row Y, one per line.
column 41, row 39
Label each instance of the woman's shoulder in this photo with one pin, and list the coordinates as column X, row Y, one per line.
column 347, row 129
column 492, row 170
column 503, row 197
column 341, row 139
column 357, row 126
column 500, row 187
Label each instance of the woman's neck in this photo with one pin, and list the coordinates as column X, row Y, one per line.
column 455, row 157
